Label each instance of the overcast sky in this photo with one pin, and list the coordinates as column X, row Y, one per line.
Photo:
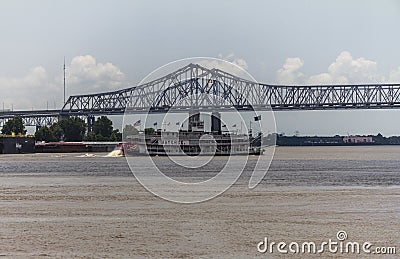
column 110, row 45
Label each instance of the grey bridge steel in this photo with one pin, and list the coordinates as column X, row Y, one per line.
column 194, row 86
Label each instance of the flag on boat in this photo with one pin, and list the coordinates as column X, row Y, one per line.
column 234, row 126
column 155, row 124
column 257, row 118
column 177, row 124
column 137, row 123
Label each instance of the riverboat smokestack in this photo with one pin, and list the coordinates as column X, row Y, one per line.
column 216, row 122
column 195, row 124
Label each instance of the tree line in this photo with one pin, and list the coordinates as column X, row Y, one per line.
column 68, row 129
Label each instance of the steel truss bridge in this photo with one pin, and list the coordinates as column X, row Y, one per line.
column 194, row 86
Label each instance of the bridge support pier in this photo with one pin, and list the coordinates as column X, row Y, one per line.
column 90, row 121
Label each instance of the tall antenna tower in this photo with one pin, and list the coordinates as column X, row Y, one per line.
column 64, row 81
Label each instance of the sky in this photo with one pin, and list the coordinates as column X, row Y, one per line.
column 110, row 45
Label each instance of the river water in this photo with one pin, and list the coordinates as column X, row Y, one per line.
column 291, row 166
column 73, row 205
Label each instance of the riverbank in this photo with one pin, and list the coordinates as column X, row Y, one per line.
column 337, row 140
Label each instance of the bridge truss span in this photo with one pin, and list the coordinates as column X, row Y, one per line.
column 325, row 97
column 168, row 91
column 32, row 118
column 195, row 86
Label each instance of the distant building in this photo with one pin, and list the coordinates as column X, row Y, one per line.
column 358, row 139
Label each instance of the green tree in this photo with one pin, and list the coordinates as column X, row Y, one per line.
column 15, row 125
column 73, row 128
column 103, row 131
column 91, row 136
column 103, row 127
column 116, row 135
column 100, row 137
column 57, row 131
column 45, row 134
column 379, row 139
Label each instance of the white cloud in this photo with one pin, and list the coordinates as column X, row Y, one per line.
column 32, row 90
column 350, row 70
column 235, row 60
column 238, row 69
column 394, row 76
column 86, row 75
column 344, row 70
column 289, row 73
column 323, row 78
column 37, row 88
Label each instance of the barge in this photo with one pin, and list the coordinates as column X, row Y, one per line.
column 10, row 144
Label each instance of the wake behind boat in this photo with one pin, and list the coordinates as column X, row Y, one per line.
column 117, row 152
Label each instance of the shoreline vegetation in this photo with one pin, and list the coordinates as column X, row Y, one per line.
column 74, row 129
column 337, row 140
